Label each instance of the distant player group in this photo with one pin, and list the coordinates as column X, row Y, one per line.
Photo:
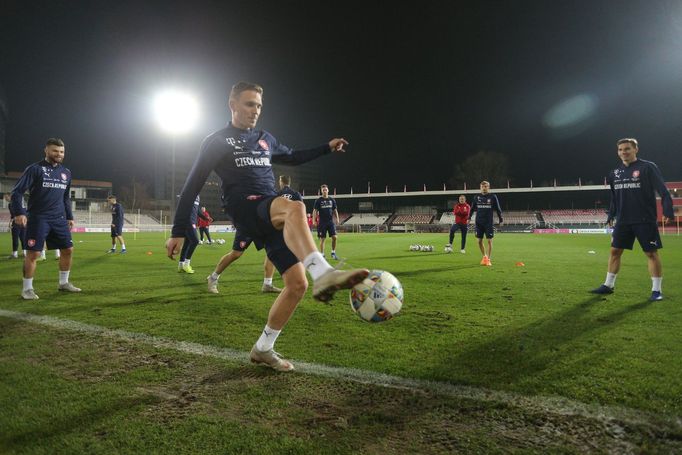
column 242, row 157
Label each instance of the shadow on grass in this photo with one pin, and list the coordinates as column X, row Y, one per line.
column 59, row 428
column 522, row 354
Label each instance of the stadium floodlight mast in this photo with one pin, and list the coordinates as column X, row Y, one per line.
column 176, row 113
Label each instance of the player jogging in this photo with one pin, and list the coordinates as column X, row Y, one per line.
column 116, row 225
column 191, row 239
column 634, row 185
column 242, row 158
column 483, row 205
column 324, row 212
column 49, row 218
column 461, row 211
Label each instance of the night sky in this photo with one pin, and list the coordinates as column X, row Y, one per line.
column 414, row 89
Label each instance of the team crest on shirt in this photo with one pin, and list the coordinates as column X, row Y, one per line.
column 31, row 242
column 489, row 201
column 263, row 144
column 635, row 174
column 242, row 244
column 63, row 176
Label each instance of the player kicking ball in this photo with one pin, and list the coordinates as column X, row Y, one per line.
column 242, row 158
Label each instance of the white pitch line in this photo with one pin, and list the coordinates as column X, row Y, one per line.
column 535, row 403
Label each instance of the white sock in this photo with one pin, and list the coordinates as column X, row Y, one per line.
column 15, row 254
column 42, row 254
column 113, row 247
column 64, row 277
column 57, row 254
column 123, row 246
column 610, row 279
column 267, row 281
column 316, row 265
column 656, row 283
column 24, row 253
column 267, row 339
column 333, row 251
column 215, row 276
column 187, row 261
column 28, row 284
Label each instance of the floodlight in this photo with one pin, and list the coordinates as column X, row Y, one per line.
column 176, row 112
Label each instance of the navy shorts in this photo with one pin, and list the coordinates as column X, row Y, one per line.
column 54, row 231
column 486, row 229
column 323, row 229
column 646, row 233
column 251, row 216
column 241, row 241
column 117, row 230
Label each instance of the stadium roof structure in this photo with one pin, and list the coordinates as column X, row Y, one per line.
column 674, row 187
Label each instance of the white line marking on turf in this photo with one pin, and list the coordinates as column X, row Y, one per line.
column 537, row 403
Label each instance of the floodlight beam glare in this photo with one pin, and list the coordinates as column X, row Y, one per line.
column 176, row 112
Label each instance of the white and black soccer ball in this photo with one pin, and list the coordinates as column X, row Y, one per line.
column 448, row 249
column 378, row 297
column 414, row 247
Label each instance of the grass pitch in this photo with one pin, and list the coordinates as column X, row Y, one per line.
column 520, row 333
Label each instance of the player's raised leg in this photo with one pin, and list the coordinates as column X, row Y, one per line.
column 289, row 216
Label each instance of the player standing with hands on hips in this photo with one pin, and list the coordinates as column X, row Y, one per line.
column 634, row 185
column 242, row 157
column 49, row 218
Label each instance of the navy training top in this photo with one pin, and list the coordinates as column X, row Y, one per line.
column 242, row 159
column 633, row 193
column 49, row 188
column 483, row 205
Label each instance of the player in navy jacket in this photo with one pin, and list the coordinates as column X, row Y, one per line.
column 634, row 185
column 483, row 205
column 324, row 212
column 242, row 157
column 116, row 225
column 49, row 218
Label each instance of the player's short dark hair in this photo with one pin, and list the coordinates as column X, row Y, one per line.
column 324, row 185
column 285, row 179
column 461, row 195
column 628, row 140
column 111, row 196
column 54, row 141
column 242, row 86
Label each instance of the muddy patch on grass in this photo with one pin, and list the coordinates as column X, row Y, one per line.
column 173, row 386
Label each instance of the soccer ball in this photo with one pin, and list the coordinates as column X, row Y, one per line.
column 448, row 249
column 220, row 241
column 378, row 297
column 415, row 247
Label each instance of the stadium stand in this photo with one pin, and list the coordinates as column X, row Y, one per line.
column 412, row 219
column 574, row 217
column 520, row 217
column 367, row 219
